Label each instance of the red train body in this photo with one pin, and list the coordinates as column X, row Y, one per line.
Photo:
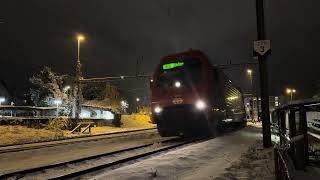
column 190, row 96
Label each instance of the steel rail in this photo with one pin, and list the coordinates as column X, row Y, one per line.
column 22, row 173
column 121, row 161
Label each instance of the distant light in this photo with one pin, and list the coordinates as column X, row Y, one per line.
column 57, row 102
column 289, row 91
column 151, row 80
column 249, row 71
column 124, row 104
column 157, row 109
column 80, row 37
column 2, row 99
column 227, row 120
column 201, row 105
column 122, row 77
column 177, row 84
column 137, row 99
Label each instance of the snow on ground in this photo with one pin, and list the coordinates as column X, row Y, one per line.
column 21, row 134
column 232, row 156
column 136, row 120
column 10, row 135
column 129, row 122
column 256, row 163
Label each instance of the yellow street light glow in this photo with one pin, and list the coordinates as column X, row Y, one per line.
column 289, row 90
column 138, row 99
column 249, row 71
column 80, row 37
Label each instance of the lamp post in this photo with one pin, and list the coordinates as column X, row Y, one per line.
column 249, row 73
column 137, row 99
column 291, row 91
column 79, row 38
column 78, row 78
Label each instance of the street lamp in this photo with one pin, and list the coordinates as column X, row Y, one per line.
column 291, row 91
column 78, row 78
column 2, row 100
column 249, row 72
column 79, row 38
column 137, row 99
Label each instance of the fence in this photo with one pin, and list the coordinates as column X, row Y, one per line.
column 292, row 153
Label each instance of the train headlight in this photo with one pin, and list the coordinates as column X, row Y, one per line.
column 201, row 105
column 177, row 84
column 157, row 109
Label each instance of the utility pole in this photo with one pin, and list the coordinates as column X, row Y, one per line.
column 262, row 59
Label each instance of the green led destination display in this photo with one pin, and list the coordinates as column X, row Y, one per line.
column 172, row 65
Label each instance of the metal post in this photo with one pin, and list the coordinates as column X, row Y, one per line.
column 258, row 108
column 257, row 94
column 282, row 126
column 78, row 84
column 276, row 163
column 292, row 133
column 263, row 77
column 304, row 130
column 252, row 98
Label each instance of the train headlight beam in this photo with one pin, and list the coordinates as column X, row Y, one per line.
column 201, row 105
column 157, row 109
column 177, row 84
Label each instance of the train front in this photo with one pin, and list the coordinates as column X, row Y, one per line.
column 179, row 91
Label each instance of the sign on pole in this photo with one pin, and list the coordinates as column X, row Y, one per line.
column 262, row 47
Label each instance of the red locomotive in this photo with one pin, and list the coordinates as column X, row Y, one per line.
column 192, row 97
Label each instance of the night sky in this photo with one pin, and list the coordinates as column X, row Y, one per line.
column 118, row 32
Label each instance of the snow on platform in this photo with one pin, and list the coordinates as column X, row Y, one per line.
column 218, row 158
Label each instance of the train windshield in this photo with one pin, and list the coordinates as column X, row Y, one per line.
column 187, row 71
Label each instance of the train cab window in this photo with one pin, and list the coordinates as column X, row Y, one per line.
column 188, row 71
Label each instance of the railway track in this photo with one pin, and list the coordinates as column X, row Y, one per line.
column 73, row 140
column 83, row 166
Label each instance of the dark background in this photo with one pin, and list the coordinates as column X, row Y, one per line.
column 118, row 32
